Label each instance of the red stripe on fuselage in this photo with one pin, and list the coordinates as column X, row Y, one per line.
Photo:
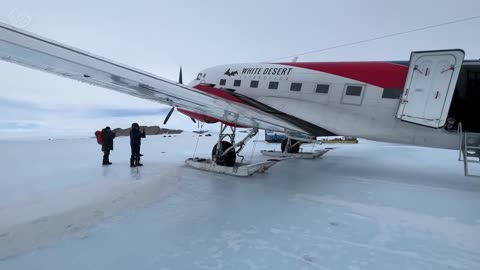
column 205, row 118
column 381, row 74
column 201, row 117
column 219, row 93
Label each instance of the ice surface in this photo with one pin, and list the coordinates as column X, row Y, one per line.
column 365, row 206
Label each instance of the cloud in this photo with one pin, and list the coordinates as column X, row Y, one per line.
column 22, row 118
column 100, row 112
column 18, row 125
column 15, row 108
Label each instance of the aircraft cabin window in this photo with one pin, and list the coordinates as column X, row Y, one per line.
column 353, row 94
column 237, row 83
column 254, row 84
column 392, row 93
column 322, row 88
column 199, row 76
column 295, row 87
column 353, row 90
column 223, row 81
column 273, row 85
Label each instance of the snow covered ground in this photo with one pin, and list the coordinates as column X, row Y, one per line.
column 365, row 206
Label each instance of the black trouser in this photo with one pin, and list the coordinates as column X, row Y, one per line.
column 106, row 155
column 135, row 157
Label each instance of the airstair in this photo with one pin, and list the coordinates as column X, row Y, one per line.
column 469, row 149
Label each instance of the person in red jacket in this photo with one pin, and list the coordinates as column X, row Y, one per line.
column 107, row 144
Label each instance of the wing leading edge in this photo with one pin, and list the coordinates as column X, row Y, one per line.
column 23, row 48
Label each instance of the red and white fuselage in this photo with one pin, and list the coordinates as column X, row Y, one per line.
column 358, row 99
column 423, row 101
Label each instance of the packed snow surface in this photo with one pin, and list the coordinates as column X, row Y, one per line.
column 361, row 206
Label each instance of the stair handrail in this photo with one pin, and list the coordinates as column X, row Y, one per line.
column 460, row 148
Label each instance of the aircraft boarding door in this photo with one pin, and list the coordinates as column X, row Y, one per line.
column 429, row 87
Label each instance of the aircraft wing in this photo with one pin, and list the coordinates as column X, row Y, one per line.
column 20, row 47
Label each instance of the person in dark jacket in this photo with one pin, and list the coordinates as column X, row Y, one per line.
column 135, row 141
column 107, row 144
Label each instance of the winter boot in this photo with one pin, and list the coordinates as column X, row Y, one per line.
column 132, row 162
column 138, row 162
column 105, row 161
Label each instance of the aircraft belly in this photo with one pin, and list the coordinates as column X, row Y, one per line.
column 378, row 123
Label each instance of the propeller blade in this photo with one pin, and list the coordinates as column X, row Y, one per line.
column 193, row 120
column 168, row 115
column 180, row 77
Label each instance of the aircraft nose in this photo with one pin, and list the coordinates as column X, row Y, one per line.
column 199, row 79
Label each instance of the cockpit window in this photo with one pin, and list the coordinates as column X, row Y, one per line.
column 199, row 76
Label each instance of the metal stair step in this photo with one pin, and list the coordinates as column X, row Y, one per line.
column 469, row 142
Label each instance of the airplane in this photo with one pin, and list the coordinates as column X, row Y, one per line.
column 430, row 100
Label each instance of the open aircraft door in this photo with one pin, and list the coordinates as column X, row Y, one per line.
column 431, row 80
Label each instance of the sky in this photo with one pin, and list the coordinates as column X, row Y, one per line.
column 161, row 36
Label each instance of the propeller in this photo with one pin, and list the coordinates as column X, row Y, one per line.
column 180, row 81
column 180, row 77
column 168, row 115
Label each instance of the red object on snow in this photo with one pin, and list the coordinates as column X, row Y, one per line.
column 98, row 134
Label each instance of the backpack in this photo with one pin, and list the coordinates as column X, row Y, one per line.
column 98, row 135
